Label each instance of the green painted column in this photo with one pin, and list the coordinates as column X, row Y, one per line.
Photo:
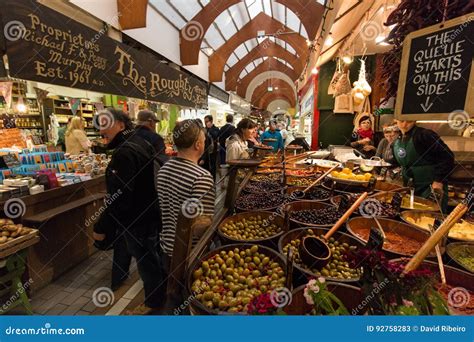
column 174, row 111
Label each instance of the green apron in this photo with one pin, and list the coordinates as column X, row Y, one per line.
column 414, row 166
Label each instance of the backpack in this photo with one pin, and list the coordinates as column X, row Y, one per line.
column 146, row 154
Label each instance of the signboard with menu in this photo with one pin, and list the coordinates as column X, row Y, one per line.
column 46, row 46
column 436, row 75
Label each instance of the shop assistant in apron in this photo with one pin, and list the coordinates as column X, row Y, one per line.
column 425, row 158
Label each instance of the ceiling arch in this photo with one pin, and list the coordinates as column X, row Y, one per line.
column 309, row 12
column 278, row 103
column 218, row 59
column 276, row 83
column 257, row 80
column 266, row 49
column 269, row 64
column 269, row 97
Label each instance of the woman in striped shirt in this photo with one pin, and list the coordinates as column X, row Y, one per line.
column 184, row 186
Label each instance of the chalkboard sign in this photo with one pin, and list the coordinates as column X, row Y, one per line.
column 436, row 74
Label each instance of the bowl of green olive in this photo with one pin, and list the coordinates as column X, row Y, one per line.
column 337, row 269
column 259, row 227
column 225, row 280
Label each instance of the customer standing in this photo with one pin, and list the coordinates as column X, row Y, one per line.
column 284, row 133
column 76, row 138
column 425, row 159
column 146, row 129
column 134, row 214
column 224, row 133
column 237, row 144
column 184, row 186
column 273, row 134
column 384, row 149
column 213, row 133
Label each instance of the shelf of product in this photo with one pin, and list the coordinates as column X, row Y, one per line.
column 29, row 168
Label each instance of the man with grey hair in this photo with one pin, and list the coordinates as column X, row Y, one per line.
column 146, row 129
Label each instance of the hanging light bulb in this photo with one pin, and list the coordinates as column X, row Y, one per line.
column 308, row 42
column 329, row 40
column 20, row 106
column 314, row 71
column 347, row 59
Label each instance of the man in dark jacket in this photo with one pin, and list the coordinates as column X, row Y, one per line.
column 226, row 131
column 132, row 213
column 146, row 129
column 213, row 133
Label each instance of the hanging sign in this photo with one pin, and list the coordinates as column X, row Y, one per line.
column 436, row 74
column 46, row 46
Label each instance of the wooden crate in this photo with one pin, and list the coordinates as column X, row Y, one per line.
column 19, row 243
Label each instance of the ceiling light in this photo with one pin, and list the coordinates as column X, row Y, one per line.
column 347, row 59
column 278, row 108
column 308, row 42
column 276, row 88
column 270, row 88
column 20, row 107
column 329, row 40
column 314, row 71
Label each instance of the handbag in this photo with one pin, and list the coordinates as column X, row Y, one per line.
column 343, row 85
column 335, row 78
column 343, row 104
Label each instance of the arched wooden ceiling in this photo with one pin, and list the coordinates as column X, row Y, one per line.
column 277, row 84
column 270, row 64
column 262, row 21
column 269, row 97
column 266, row 49
column 308, row 11
column 263, row 77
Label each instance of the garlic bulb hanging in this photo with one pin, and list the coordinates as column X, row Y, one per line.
column 366, row 89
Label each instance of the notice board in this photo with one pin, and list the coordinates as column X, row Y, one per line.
column 436, row 73
column 46, row 46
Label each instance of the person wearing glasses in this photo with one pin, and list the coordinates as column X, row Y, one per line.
column 384, row 149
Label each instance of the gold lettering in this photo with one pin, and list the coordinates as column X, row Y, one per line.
column 34, row 20
column 154, row 82
column 123, row 54
column 40, row 69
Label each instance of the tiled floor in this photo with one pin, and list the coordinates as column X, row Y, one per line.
column 73, row 292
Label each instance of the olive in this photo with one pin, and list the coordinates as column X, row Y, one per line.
column 198, row 273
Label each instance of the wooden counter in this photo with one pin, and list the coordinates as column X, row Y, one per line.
column 65, row 218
